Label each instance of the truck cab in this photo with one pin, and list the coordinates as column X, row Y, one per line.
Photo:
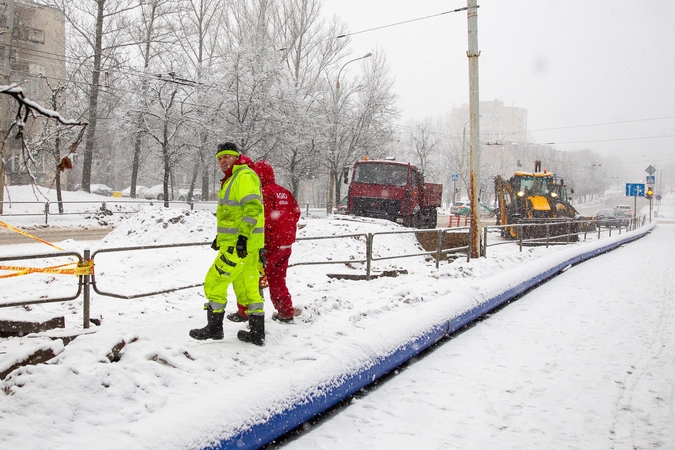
column 394, row 191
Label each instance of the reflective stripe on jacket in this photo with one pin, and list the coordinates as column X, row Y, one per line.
column 240, row 209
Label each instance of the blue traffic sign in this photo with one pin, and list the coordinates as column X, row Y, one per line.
column 454, row 176
column 635, row 190
column 651, row 179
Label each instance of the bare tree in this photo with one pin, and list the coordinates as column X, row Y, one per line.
column 308, row 49
column 98, row 34
column 423, row 144
column 27, row 111
column 151, row 35
column 198, row 32
column 51, row 139
column 164, row 121
column 365, row 111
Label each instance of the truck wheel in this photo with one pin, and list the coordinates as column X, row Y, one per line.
column 430, row 219
column 411, row 221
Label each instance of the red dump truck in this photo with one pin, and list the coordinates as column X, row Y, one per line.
column 393, row 190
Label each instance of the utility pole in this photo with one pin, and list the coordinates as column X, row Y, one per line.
column 334, row 152
column 6, row 72
column 474, row 142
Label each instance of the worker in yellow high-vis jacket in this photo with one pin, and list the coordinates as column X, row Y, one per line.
column 241, row 228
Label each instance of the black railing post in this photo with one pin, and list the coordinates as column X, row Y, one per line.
column 86, row 280
column 485, row 242
column 439, row 249
column 369, row 254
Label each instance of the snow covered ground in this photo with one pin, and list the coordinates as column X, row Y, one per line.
column 587, row 361
column 164, row 390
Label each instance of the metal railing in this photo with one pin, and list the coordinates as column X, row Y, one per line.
column 105, row 207
column 444, row 240
column 573, row 230
column 49, row 209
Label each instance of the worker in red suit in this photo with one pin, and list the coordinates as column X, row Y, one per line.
column 281, row 219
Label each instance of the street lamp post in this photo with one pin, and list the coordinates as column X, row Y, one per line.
column 501, row 142
column 461, row 161
column 653, row 167
column 334, row 152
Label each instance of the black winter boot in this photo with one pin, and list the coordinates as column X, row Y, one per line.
column 257, row 334
column 236, row 317
column 213, row 328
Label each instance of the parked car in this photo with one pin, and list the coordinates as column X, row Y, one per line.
column 624, row 218
column 140, row 191
column 343, row 206
column 100, row 189
column 464, row 208
column 196, row 195
column 627, row 210
column 460, row 208
column 157, row 193
column 612, row 218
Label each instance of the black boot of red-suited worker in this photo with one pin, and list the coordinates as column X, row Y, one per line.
column 257, row 334
column 213, row 328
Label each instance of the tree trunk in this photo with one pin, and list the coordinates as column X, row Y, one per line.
column 93, row 100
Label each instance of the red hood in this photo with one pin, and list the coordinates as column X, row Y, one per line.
column 243, row 160
column 265, row 172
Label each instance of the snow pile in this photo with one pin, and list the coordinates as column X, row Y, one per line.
column 156, row 225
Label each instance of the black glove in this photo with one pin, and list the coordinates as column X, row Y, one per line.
column 263, row 259
column 214, row 244
column 241, row 246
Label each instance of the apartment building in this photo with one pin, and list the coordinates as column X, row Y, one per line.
column 37, row 60
column 497, row 122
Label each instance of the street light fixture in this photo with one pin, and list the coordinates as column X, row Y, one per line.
column 502, row 142
column 333, row 163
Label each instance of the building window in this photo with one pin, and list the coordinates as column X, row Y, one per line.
column 32, row 35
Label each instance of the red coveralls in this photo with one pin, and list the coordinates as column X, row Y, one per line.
column 281, row 219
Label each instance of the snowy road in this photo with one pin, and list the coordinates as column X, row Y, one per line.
column 585, row 361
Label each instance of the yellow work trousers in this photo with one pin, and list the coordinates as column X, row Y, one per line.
column 243, row 274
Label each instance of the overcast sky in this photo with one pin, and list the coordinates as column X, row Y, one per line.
column 600, row 67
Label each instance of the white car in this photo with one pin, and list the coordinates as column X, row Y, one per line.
column 460, row 208
column 183, row 195
column 100, row 189
column 140, row 191
column 627, row 210
column 464, row 209
column 157, row 193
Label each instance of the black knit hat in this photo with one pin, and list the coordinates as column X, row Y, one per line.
column 227, row 148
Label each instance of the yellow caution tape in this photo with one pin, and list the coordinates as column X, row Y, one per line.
column 82, row 268
column 9, row 227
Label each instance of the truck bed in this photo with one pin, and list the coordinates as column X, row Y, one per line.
column 433, row 194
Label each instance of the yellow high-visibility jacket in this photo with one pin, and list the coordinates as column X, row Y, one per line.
column 240, row 210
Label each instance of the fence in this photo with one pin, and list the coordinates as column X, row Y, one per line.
column 105, row 207
column 436, row 242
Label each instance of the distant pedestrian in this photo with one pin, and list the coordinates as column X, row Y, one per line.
column 281, row 219
column 241, row 222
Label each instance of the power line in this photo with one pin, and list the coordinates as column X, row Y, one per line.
column 401, row 23
column 603, row 123
column 610, row 140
